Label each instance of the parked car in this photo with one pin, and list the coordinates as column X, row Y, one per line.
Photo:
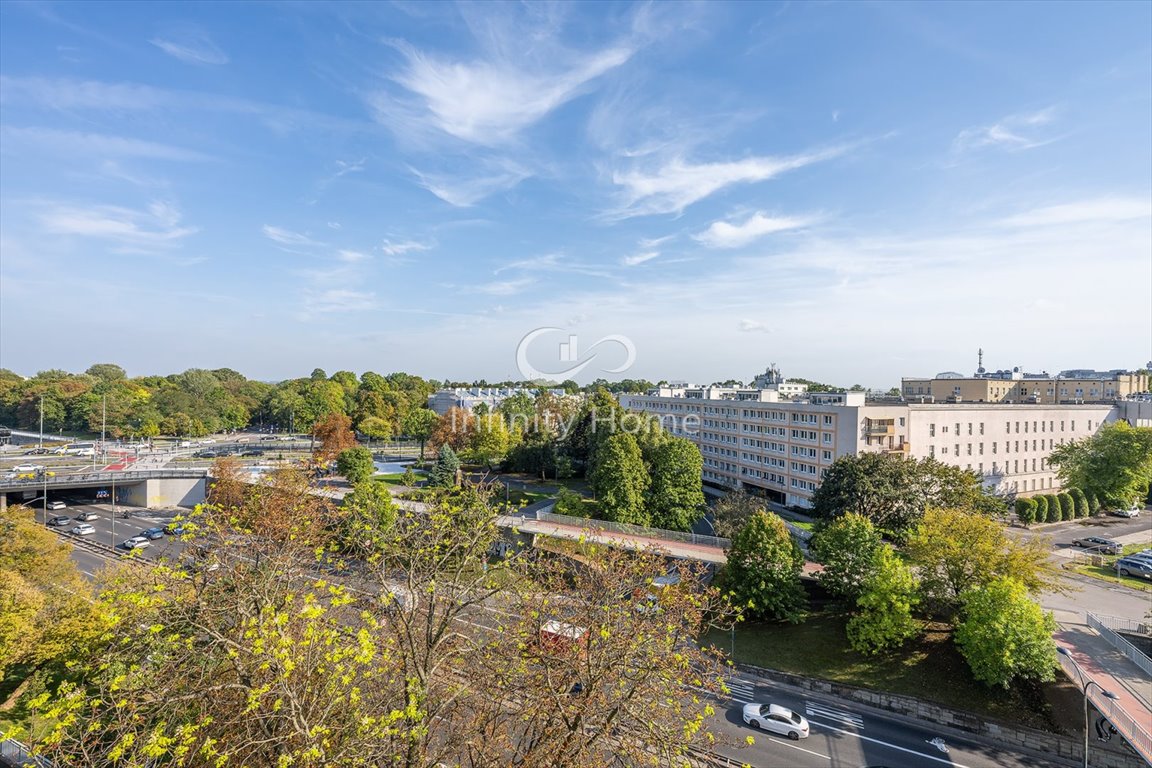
column 137, row 542
column 1107, row 546
column 57, row 505
column 776, row 719
column 60, row 521
column 1133, row 511
column 1131, row 566
column 83, row 529
column 87, row 515
column 154, row 533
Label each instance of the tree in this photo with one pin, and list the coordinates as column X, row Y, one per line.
column 732, row 512
column 369, row 513
column 1079, row 501
column 419, row 423
column 570, row 503
column 355, row 464
column 884, row 607
column 454, row 429
column 1067, row 506
column 446, row 468
column 1093, row 502
column 1054, row 511
column 620, row 480
column 375, row 428
column 957, row 550
column 334, row 433
column 676, row 496
column 847, row 548
column 763, row 570
column 1005, row 635
column 1115, row 464
column 107, row 372
column 263, row 662
column 489, row 440
column 1026, row 510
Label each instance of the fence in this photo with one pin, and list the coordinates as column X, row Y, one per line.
column 635, row 530
column 16, row 754
column 1107, row 632
column 1120, row 624
column 1136, row 733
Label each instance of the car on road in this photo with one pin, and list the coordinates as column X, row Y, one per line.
column 57, row 505
column 1099, row 543
column 37, row 452
column 1130, row 512
column 1131, row 566
column 59, row 521
column 252, row 452
column 205, row 454
column 83, row 529
column 776, row 719
column 28, row 468
column 175, row 529
column 268, row 437
column 137, row 542
column 153, row 533
column 87, row 515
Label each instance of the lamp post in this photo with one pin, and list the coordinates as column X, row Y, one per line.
column 1085, row 684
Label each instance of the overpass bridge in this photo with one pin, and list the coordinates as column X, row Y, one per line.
column 141, row 488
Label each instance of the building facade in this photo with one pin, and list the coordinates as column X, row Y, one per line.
column 778, row 447
column 468, row 398
column 1015, row 386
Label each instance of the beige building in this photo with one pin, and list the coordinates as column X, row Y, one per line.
column 756, row 439
column 1081, row 386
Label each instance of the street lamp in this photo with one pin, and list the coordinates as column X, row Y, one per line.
column 1085, row 683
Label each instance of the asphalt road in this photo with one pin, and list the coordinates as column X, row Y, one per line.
column 111, row 532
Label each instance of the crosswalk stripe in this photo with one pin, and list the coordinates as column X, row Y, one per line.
column 813, row 710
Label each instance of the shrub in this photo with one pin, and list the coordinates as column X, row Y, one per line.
column 1041, row 508
column 570, row 503
column 1093, row 502
column 1067, row 507
column 1053, row 508
column 1079, row 502
column 1026, row 510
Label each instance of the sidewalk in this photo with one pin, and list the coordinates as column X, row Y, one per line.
column 1099, row 662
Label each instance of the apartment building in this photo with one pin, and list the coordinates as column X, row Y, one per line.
column 468, row 398
column 1016, row 386
column 779, row 447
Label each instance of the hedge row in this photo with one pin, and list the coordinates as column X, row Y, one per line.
column 1052, row 508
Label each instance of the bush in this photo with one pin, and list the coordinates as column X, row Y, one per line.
column 1079, row 502
column 1053, row 508
column 570, row 503
column 1026, row 510
column 1093, row 502
column 1067, row 506
column 1041, row 508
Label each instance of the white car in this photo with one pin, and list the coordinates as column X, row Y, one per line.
column 137, row 542
column 1132, row 512
column 27, row 468
column 83, row 529
column 57, row 505
column 776, row 719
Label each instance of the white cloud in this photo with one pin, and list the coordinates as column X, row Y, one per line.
column 128, row 229
column 334, row 225
column 352, row 256
column 462, row 192
column 678, row 184
column 191, row 45
column 640, row 258
column 289, row 238
column 1014, row 132
column 402, row 247
column 502, row 287
column 1100, row 210
column 338, row 300
column 92, row 145
column 722, row 234
column 754, row 326
column 489, row 101
column 555, row 262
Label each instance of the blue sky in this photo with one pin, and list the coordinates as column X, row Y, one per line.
column 853, row 191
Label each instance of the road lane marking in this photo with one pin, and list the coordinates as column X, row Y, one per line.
column 848, row 718
column 893, row 746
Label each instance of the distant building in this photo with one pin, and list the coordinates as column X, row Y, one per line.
column 1079, row 385
column 470, row 397
column 780, row 448
column 772, row 379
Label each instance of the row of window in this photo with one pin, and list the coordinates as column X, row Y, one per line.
column 1037, row 426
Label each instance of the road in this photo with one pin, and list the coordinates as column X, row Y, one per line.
column 111, row 532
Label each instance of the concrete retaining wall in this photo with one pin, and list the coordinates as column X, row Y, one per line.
column 175, row 492
column 1051, row 745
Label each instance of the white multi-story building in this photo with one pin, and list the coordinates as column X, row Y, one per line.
column 470, row 397
column 756, row 439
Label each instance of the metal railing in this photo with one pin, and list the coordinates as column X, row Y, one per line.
column 635, row 530
column 13, row 752
column 1120, row 624
column 1135, row 732
column 1119, row 643
column 73, row 478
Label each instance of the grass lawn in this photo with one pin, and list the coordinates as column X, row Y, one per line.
column 803, row 524
column 1108, row 573
column 396, row 478
column 929, row 668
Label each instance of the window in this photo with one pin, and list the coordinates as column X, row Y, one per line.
column 931, row 430
column 969, row 449
column 957, row 427
column 944, row 429
column 981, row 449
column 931, row 450
column 1025, row 427
column 993, row 446
column 901, row 421
column 1016, row 449
column 981, row 427
column 969, row 427
column 957, row 451
column 1073, row 425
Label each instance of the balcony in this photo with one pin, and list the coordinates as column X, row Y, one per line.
column 880, row 430
column 901, row 449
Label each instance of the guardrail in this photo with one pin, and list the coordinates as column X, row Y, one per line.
column 1120, row 624
column 15, row 753
column 1119, row 643
column 101, row 477
column 1136, row 733
column 635, row 530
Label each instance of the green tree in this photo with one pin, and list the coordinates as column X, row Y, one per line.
column 444, row 471
column 369, row 514
column 1054, row 511
column 419, row 424
column 1005, row 635
column 1041, row 508
column 1067, row 506
column 570, row 503
column 847, row 548
column 355, row 464
column 763, row 571
column 957, row 550
column 375, row 428
column 1115, row 464
column 620, row 480
column 489, row 440
column 107, row 372
column 1093, row 502
column 884, row 607
column 1079, row 501
column 734, row 510
column 676, row 496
